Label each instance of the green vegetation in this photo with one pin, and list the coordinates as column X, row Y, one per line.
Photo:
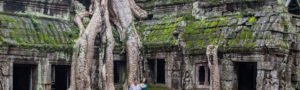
column 252, row 20
column 223, row 31
column 299, row 74
column 200, row 33
column 213, row 1
column 162, row 33
column 245, row 39
column 156, row 87
column 28, row 32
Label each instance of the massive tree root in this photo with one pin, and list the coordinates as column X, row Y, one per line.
column 104, row 14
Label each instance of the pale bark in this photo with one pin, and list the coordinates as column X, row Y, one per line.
column 109, row 53
column 132, row 51
column 137, row 11
column 213, row 65
column 82, row 58
column 78, row 21
column 121, row 13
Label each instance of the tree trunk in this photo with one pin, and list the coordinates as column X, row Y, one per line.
column 103, row 11
column 82, row 58
column 132, row 48
column 123, row 10
column 213, row 65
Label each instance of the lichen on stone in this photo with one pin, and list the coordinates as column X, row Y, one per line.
column 27, row 32
column 160, row 34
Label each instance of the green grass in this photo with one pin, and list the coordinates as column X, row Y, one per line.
column 156, row 88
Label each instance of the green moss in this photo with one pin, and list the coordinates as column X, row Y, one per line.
column 198, row 34
column 207, row 37
column 213, row 1
column 213, row 24
column 7, row 19
column 34, row 34
column 85, row 21
column 239, row 16
column 223, row 22
column 201, row 33
column 244, row 41
column 252, row 20
column 162, row 33
column 284, row 24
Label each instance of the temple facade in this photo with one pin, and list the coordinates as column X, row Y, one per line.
column 256, row 45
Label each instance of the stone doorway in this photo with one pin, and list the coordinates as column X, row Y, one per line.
column 157, row 71
column 202, row 76
column 119, row 72
column 24, row 77
column 246, row 72
column 293, row 7
column 60, row 77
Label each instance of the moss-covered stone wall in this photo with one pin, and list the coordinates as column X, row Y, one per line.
column 28, row 32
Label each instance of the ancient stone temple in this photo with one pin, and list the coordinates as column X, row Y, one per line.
column 254, row 42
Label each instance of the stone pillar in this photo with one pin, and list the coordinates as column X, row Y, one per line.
column 187, row 70
column 44, row 75
column 228, row 76
column 168, row 74
column 176, row 76
column 1, row 6
column 6, row 75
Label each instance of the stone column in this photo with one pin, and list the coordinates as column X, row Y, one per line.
column 168, row 65
column 44, row 74
column 176, row 76
column 228, row 75
column 6, row 75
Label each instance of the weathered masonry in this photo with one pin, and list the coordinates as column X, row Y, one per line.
column 35, row 53
column 258, row 45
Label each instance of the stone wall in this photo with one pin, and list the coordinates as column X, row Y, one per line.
column 41, row 59
column 58, row 8
column 178, row 32
column 205, row 8
column 296, row 62
column 173, row 65
column 271, row 42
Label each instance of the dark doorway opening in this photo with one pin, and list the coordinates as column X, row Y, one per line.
column 157, row 70
column 202, row 75
column 119, row 71
column 60, row 77
column 86, row 3
column 23, row 77
column 247, row 72
column 160, row 71
column 293, row 7
column 13, row 5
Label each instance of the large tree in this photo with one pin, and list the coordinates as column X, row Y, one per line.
column 105, row 15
